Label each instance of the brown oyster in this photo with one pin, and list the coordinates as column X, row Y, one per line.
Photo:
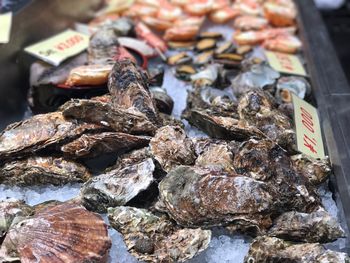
column 103, row 113
column 129, row 89
column 43, row 170
column 318, row 226
column 273, row 250
column 61, row 233
column 171, row 147
column 39, row 132
column 316, row 170
column 92, row 145
column 153, row 238
column 11, row 212
column 117, row 187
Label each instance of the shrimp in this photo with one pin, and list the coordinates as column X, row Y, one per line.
column 144, row 33
column 223, row 15
column 284, row 43
column 139, row 10
column 103, row 19
column 199, row 7
column 219, row 4
column 181, row 33
column 157, row 23
column 154, row 3
column 279, row 15
column 246, row 23
column 248, row 7
column 168, row 11
column 179, row 2
column 90, row 75
column 189, row 21
column 116, row 6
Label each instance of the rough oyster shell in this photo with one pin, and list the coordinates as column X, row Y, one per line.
column 43, row 170
column 117, row 187
column 316, row 170
column 92, row 145
column 297, row 85
column 129, row 89
column 66, row 232
column 11, row 212
column 318, row 226
column 97, row 111
column 171, row 147
column 163, row 101
column 153, row 238
column 39, row 132
column 272, row 250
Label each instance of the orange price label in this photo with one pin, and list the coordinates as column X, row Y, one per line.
column 308, row 130
column 5, row 27
column 60, row 47
column 285, row 63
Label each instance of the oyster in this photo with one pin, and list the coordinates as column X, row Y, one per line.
column 318, row 226
column 103, row 113
column 316, row 170
column 117, row 187
column 61, row 233
column 153, row 238
column 206, row 77
column 129, row 89
column 39, row 132
column 43, row 170
column 297, row 85
column 156, row 75
column 272, row 250
column 93, row 145
column 171, row 147
column 11, row 212
column 163, row 101
column 179, row 59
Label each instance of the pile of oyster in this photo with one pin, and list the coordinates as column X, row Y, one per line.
column 163, row 190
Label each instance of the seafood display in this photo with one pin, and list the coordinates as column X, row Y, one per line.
column 166, row 169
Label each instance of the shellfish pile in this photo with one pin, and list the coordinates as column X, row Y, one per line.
column 165, row 191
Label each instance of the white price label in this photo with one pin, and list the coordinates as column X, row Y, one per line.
column 5, row 27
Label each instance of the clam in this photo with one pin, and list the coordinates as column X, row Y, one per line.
column 185, row 72
column 205, row 44
column 317, row 226
column 62, row 233
column 206, row 77
column 178, row 59
column 117, row 186
column 156, row 75
column 214, row 35
column 242, row 50
column 181, row 45
column 229, row 59
column 287, row 85
column 43, row 170
column 227, row 47
column 272, row 250
column 171, row 147
column 155, row 238
column 164, row 102
column 204, row 57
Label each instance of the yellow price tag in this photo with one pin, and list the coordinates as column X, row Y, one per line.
column 60, row 47
column 308, row 130
column 285, row 63
column 5, row 27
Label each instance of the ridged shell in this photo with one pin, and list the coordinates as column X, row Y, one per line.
column 63, row 233
column 153, row 238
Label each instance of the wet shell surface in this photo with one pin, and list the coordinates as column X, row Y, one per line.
column 178, row 59
column 61, row 233
column 205, row 44
column 154, row 238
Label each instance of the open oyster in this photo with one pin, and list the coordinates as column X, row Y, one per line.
column 129, row 89
column 39, row 132
column 171, row 147
column 62, row 233
column 11, row 212
column 287, row 85
column 154, row 238
column 103, row 113
column 273, row 250
column 318, row 226
column 117, row 187
column 43, row 170
column 92, row 145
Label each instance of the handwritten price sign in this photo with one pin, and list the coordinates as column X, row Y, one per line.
column 285, row 63
column 309, row 138
column 60, row 47
column 5, row 27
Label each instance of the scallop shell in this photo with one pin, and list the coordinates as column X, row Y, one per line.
column 63, row 233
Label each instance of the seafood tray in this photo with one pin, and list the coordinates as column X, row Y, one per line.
column 196, row 186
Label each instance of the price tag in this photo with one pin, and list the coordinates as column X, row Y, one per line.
column 60, row 47
column 285, row 63
column 308, row 130
column 5, row 27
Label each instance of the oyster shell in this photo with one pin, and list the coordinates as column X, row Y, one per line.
column 272, row 250
column 103, row 113
column 129, row 89
column 206, row 77
column 11, row 212
column 297, row 85
column 153, row 238
column 92, row 145
column 43, row 170
column 163, row 101
column 65, row 232
column 39, row 132
column 318, row 226
column 171, row 147
column 316, row 170
column 117, row 187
